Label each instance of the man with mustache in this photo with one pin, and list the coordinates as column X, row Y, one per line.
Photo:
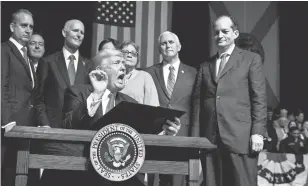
column 60, row 71
column 36, row 47
column 17, row 86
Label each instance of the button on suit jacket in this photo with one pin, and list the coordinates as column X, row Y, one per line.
column 234, row 103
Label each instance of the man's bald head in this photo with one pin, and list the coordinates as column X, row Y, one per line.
column 71, row 22
column 73, row 32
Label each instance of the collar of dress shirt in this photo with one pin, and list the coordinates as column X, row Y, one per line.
column 105, row 95
column 229, row 51
column 67, row 54
column 176, row 65
column 18, row 45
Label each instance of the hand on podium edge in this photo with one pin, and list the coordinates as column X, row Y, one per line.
column 171, row 128
column 8, row 127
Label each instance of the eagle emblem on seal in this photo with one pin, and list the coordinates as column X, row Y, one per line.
column 117, row 150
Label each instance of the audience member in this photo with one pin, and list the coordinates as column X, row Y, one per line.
column 293, row 143
column 271, row 136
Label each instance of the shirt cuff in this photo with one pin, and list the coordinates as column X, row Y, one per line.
column 93, row 104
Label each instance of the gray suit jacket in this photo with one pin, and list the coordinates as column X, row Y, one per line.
column 181, row 96
column 233, row 104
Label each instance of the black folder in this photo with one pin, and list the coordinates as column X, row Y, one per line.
column 143, row 118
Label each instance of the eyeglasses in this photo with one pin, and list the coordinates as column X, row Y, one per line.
column 126, row 52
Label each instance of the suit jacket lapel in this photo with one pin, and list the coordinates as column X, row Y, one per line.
column 62, row 67
column 20, row 57
column 79, row 79
column 181, row 77
column 160, row 77
column 233, row 58
column 212, row 66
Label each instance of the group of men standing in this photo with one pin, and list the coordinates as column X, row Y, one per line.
column 224, row 100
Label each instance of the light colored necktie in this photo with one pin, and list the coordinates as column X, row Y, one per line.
column 110, row 104
column 171, row 81
column 222, row 64
column 24, row 50
column 71, row 69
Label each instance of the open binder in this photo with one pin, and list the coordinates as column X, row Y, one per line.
column 143, row 118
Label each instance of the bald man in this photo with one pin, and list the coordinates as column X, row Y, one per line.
column 58, row 72
column 229, row 108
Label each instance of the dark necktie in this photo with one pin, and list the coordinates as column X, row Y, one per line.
column 110, row 104
column 171, row 81
column 222, row 64
column 24, row 50
column 71, row 69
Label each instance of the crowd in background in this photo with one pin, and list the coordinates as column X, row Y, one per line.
column 287, row 131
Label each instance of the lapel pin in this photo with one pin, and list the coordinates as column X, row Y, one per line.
column 182, row 71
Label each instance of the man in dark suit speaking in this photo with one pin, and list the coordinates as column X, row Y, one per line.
column 58, row 72
column 85, row 104
column 230, row 109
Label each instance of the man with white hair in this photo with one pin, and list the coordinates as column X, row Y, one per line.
column 58, row 72
column 174, row 83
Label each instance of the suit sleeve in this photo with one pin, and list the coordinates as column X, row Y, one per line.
column 195, row 118
column 257, row 89
column 73, row 109
column 42, row 75
column 5, row 88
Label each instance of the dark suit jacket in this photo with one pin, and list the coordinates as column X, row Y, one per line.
column 75, row 108
column 76, row 117
column 182, row 91
column 235, row 103
column 17, row 94
column 53, row 80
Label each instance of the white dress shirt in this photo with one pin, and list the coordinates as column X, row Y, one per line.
column 166, row 70
column 67, row 54
column 92, row 105
column 218, row 60
column 19, row 47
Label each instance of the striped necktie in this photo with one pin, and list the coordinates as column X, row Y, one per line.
column 71, row 69
column 111, row 101
column 222, row 64
column 171, row 81
column 24, row 50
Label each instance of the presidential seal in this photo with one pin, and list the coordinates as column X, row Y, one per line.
column 117, row 152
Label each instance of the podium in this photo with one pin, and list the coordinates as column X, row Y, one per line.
column 27, row 159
